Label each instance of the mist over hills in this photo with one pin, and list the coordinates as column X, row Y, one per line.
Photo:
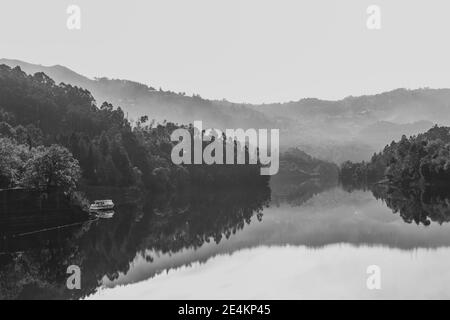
column 138, row 99
column 349, row 129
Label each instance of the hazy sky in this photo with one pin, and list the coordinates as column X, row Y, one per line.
column 242, row 50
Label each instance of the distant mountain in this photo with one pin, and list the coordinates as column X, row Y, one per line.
column 383, row 132
column 355, row 127
column 348, row 129
column 57, row 72
column 398, row 106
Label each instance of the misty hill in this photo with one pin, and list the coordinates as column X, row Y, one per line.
column 397, row 106
column 361, row 125
column 349, row 129
column 137, row 99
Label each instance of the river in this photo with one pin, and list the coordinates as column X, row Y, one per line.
column 241, row 244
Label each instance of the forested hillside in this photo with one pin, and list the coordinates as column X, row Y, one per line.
column 424, row 158
column 51, row 128
column 352, row 128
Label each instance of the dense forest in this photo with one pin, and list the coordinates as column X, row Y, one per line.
column 56, row 135
column 420, row 159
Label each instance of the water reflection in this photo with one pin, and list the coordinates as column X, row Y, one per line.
column 419, row 205
column 367, row 229
column 298, row 272
column 103, row 214
column 34, row 265
column 230, row 232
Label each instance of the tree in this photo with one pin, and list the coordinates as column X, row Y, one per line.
column 12, row 159
column 53, row 166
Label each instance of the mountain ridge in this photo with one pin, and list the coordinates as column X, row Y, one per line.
column 28, row 67
column 348, row 129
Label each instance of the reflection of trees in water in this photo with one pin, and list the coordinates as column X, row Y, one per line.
column 190, row 221
column 419, row 205
column 165, row 224
column 38, row 269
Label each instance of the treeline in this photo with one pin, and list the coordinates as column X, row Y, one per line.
column 424, row 158
column 36, row 113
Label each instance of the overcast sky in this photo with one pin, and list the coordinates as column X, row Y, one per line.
column 241, row 50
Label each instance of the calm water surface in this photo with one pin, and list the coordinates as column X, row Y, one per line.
column 259, row 244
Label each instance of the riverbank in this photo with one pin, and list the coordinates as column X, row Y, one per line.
column 25, row 210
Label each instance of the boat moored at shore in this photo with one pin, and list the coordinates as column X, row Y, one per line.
column 101, row 205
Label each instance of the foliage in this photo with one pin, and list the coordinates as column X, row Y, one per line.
column 424, row 158
column 52, row 166
column 41, row 167
column 12, row 160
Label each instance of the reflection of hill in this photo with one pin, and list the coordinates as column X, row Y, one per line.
column 301, row 177
column 106, row 248
column 297, row 194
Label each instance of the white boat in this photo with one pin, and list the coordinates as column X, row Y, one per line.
column 101, row 205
